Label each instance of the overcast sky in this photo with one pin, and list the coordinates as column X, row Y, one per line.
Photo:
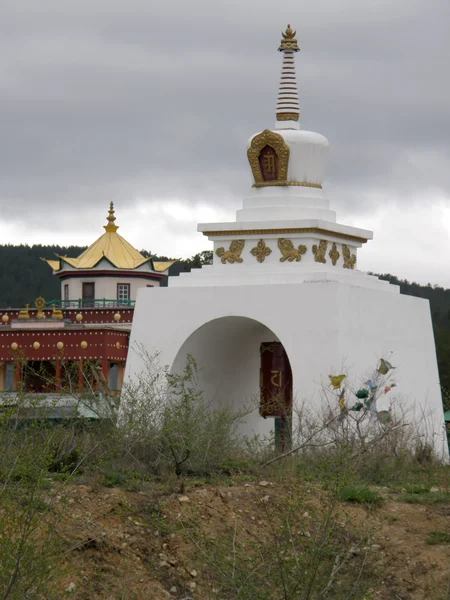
column 150, row 104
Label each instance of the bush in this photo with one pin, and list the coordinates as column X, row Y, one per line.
column 167, row 425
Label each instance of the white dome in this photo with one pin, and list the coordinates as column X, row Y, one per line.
column 307, row 155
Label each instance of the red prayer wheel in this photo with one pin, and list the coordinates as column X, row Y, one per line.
column 275, row 381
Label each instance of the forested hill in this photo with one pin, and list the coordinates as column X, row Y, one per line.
column 23, row 277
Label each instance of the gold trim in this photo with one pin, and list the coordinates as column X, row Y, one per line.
column 288, row 116
column 294, row 183
column 334, row 254
column 233, row 233
column 261, row 250
column 288, row 43
column 25, row 313
column 289, row 251
column 110, row 227
column 349, row 258
column 40, row 305
column 319, row 251
column 275, row 141
column 233, row 254
column 57, row 313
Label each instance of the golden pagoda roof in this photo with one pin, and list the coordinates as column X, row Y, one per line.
column 111, row 246
column 161, row 266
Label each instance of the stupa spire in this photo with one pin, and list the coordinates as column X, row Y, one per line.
column 110, row 227
column 288, row 108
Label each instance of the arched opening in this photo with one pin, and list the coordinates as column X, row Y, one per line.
column 231, row 372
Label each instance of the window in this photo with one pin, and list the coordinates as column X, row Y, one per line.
column 88, row 294
column 114, row 376
column 9, row 377
column 66, row 291
column 123, row 291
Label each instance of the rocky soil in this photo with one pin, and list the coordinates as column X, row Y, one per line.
column 155, row 545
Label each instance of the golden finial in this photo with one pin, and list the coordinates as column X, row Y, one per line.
column 288, row 34
column 111, row 218
column 288, row 43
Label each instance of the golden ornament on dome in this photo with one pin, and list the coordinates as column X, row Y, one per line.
column 289, row 43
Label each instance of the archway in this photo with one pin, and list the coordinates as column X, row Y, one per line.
column 227, row 351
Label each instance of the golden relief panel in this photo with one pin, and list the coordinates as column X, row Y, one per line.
column 291, row 183
column 320, row 251
column 268, row 156
column 349, row 258
column 233, row 255
column 289, row 251
column 287, row 116
column 261, row 250
column 334, row 254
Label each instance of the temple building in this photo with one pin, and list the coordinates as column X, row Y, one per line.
column 77, row 345
column 283, row 310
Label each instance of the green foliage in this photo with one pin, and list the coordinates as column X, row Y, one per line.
column 426, row 498
column 23, row 273
column 360, row 495
column 438, row 537
column 168, row 426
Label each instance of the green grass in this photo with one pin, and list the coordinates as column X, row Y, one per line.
column 417, row 489
column 391, row 518
column 438, row 537
column 426, row 498
column 360, row 495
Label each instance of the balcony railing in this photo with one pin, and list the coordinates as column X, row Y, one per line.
column 95, row 303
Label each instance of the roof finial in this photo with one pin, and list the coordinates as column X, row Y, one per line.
column 110, row 227
column 288, row 109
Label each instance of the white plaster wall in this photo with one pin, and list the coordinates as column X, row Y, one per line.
column 227, row 353
column 320, row 325
column 307, row 156
column 105, row 287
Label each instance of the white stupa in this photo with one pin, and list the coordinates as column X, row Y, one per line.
column 285, row 275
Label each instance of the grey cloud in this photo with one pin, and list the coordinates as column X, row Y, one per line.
column 109, row 100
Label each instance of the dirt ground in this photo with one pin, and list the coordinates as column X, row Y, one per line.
column 135, row 545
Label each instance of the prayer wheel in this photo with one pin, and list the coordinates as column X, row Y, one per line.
column 275, row 381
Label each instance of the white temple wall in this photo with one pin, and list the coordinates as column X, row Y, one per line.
column 105, row 287
column 324, row 328
column 226, row 351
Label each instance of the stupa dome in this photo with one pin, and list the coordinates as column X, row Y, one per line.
column 307, row 156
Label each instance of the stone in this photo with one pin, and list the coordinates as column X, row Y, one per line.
column 71, row 587
column 194, row 573
column 264, row 483
column 184, row 499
